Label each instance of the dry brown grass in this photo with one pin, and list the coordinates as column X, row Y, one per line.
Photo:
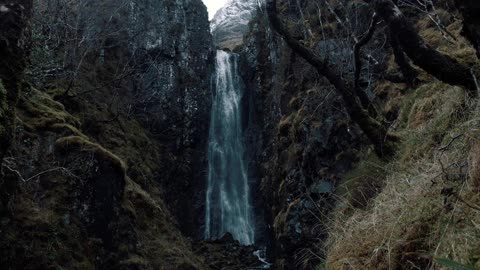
column 409, row 219
column 458, row 48
column 475, row 166
column 427, row 115
column 428, row 206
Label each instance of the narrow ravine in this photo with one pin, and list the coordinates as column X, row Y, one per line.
column 228, row 205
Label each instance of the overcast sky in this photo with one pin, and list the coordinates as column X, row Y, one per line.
column 213, row 6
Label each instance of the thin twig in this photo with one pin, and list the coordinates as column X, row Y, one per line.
column 475, row 79
column 359, row 44
column 444, row 148
column 38, row 174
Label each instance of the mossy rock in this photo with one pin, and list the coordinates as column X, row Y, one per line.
column 40, row 111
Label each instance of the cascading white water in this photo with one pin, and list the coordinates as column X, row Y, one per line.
column 227, row 199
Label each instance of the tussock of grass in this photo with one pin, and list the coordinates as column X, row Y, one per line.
column 295, row 103
column 281, row 219
column 410, row 218
column 427, row 116
column 460, row 48
column 134, row 193
column 363, row 182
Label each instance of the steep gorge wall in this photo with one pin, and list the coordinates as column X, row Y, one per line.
column 174, row 99
column 302, row 139
column 309, row 146
column 168, row 48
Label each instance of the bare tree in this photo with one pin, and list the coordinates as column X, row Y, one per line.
column 405, row 41
column 376, row 131
column 442, row 66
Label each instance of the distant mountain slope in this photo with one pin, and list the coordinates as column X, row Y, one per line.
column 230, row 22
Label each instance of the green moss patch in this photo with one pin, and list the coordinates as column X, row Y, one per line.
column 39, row 111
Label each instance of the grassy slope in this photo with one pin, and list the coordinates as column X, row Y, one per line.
column 426, row 201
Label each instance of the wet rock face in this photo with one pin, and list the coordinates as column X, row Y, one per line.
column 307, row 143
column 231, row 23
column 175, row 53
column 174, row 95
column 169, row 46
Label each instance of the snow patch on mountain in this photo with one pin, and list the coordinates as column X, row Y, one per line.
column 231, row 22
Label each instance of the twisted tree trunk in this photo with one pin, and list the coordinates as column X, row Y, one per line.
column 357, row 54
column 373, row 129
column 408, row 72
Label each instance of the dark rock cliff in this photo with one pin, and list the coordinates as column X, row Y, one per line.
column 168, row 47
column 303, row 143
column 14, row 47
column 109, row 151
column 174, row 97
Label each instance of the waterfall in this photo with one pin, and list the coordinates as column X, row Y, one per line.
column 227, row 198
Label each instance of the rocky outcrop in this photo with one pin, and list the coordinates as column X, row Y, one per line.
column 14, row 47
column 231, row 22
